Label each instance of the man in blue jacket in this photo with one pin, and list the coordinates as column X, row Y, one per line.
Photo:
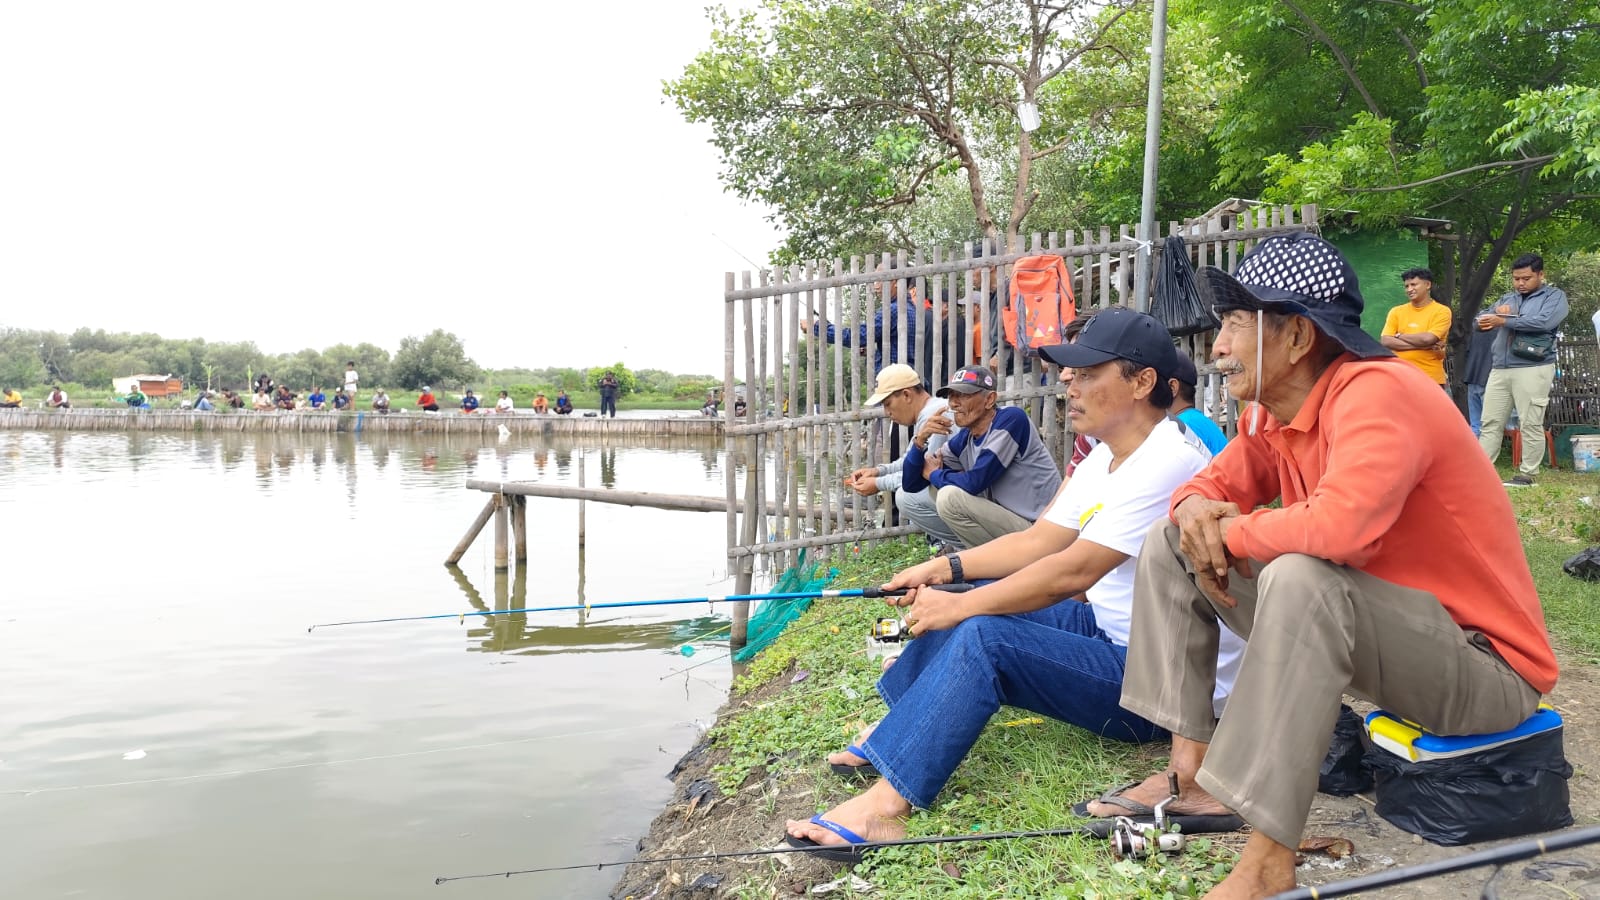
column 995, row 476
column 1525, row 322
column 885, row 331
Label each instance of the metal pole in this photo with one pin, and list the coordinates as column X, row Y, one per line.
column 1152, row 156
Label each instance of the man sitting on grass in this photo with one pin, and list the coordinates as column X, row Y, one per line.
column 1025, row 640
column 1392, row 571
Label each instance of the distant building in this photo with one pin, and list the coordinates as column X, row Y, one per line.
column 152, row 386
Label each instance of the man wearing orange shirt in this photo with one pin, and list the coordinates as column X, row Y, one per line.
column 1392, row 571
column 1416, row 330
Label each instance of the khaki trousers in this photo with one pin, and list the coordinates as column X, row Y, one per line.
column 1313, row 631
column 975, row 520
column 1528, row 389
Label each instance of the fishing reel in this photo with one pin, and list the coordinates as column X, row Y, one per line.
column 1138, row 840
column 894, row 630
column 890, row 630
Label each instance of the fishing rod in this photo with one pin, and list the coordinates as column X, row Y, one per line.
column 1495, row 856
column 1088, row 830
column 871, row 593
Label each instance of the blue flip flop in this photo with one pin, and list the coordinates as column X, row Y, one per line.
column 863, row 771
column 849, row 853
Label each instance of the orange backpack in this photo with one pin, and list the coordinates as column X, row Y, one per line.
column 1041, row 302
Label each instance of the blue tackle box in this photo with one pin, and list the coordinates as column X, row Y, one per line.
column 1409, row 741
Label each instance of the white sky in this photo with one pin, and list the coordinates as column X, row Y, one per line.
column 305, row 173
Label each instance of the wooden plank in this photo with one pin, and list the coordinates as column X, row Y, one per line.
column 502, row 546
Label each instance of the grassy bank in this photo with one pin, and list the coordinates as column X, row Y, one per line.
column 1024, row 774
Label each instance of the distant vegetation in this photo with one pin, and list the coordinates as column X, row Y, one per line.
column 85, row 361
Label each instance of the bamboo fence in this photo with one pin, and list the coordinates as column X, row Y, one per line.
column 806, row 427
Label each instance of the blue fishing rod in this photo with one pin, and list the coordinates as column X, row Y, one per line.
column 870, row 593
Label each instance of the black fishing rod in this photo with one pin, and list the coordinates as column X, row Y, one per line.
column 1494, row 856
column 870, row 593
column 1088, row 830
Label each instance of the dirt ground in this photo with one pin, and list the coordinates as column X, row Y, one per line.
column 701, row 820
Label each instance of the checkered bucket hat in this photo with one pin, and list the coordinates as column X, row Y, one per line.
column 1298, row 274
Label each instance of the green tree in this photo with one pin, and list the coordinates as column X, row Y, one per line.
column 1452, row 109
column 843, row 114
column 233, row 363
column 627, row 382
column 437, row 360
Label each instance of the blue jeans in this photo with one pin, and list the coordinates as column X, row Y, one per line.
column 947, row 684
column 1475, row 408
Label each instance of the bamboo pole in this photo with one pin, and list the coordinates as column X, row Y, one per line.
column 519, row 528
column 472, row 533
column 583, row 528
column 502, row 556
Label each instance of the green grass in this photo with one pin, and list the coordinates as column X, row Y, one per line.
column 1024, row 777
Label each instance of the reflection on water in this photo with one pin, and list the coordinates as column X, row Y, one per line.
column 508, row 632
column 158, row 603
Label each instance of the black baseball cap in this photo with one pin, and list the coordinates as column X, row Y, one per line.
column 1118, row 334
column 1186, row 372
column 969, row 380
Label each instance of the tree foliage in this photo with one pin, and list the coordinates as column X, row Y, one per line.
column 437, row 359
column 627, row 382
column 842, row 115
column 1482, row 114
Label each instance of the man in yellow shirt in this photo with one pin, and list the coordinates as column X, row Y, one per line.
column 1416, row 330
column 10, row 399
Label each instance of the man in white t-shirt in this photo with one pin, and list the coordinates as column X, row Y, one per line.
column 352, row 380
column 1022, row 640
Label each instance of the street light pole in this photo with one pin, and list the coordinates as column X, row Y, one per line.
column 1152, row 156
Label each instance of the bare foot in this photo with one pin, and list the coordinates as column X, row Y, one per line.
column 1192, row 798
column 877, row 814
column 1265, row 868
column 845, row 757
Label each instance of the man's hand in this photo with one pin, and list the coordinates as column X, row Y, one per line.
column 931, row 463
column 938, row 423
column 866, row 485
column 934, row 610
column 1489, row 322
column 934, row 571
column 854, row 478
column 1202, row 534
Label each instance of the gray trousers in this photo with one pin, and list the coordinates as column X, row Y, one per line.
column 1527, row 389
column 917, row 508
column 1313, row 631
column 975, row 520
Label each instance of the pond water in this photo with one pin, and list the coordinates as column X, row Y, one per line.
column 170, row 729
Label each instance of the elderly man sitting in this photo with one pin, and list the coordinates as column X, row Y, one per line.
column 1392, row 571
column 1026, row 640
column 995, row 476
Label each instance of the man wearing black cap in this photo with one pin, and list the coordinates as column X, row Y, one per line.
column 1347, row 587
column 1025, row 640
column 995, row 475
column 1184, row 383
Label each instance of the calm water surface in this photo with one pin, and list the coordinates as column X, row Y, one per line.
column 169, row 729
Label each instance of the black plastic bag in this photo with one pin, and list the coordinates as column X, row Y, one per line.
column 1344, row 769
column 1585, row 565
column 1177, row 302
column 1506, row 791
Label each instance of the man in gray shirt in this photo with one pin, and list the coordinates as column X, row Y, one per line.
column 906, row 401
column 1523, row 366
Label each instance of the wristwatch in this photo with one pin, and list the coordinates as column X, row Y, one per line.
column 956, row 575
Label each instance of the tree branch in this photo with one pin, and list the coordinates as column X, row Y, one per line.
column 1086, row 46
column 1338, row 54
column 1416, row 59
column 1013, row 68
column 1525, row 163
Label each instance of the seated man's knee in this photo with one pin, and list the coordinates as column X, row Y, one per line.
column 1293, row 575
column 952, row 501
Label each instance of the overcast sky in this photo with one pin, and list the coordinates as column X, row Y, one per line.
column 301, row 174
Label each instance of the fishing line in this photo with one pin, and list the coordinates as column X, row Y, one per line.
column 330, row 762
column 866, row 592
column 1082, row 830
